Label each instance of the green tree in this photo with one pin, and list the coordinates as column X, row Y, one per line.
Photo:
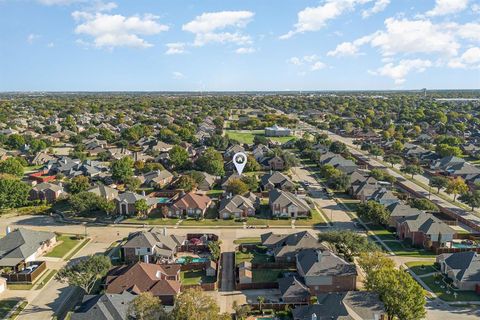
column 438, row 182
column 186, row 182
column 423, row 204
column 85, row 273
column 338, row 147
column 211, row 161
column 146, row 306
column 78, row 184
column 215, row 250
column 371, row 262
column 339, row 181
column 86, row 202
column 456, row 186
column 122, row 169
column 397, row 146
column 141, row 206
column 412, row 169
column 393, row 159
column 12, row 166
column 236, row 186
column 15, row 141
column 251, row 182
column 194, row 304
column 402, row 296
column 374, row 211
column 347, row 243
column 178, row 157
column 445, row 150
column 252, row 165
column 13, row 192
column 471, row 198
column 133, row 183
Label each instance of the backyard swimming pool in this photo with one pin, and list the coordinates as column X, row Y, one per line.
column 194, row 260
column 163, row 200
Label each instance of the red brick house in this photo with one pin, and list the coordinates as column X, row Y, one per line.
column 190, row 204
column 46, row 191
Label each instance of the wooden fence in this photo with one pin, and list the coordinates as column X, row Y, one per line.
column 26, row 277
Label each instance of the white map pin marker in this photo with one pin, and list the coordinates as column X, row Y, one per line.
column 240, row 160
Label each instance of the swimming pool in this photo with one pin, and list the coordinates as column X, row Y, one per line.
column 463, row 245
column 163, row 200
column 194, row 260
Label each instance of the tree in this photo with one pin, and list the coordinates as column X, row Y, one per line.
column 402, row 296
column 261, row 301
column 141, row 206
column 374, row 211
column 241, row 311
column 412, row 169
column 122, row 169
column 87, row 202
column 147, row 307
column 438, row 182
column 178, row 157
column 393, row 159
column 12, row 166
column 338, row 147
column 251, row 182
column 211, row 161
column 471, row 198
column 215, row 250
column 456, row 186
column 15, row 141
column 85, row 273
column 347, row 243
column 397, row 146
column 78, row 184
column 186, row 182
column 252, row 165
column 13, row 192
column 446, row 150
column 339, row 181
column 376, row 151
column 194, row 304
column 371, row 262
column 423, row 204
column 132, row 183
column 236, row 186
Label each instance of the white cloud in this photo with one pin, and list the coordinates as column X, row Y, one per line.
column 470, row 58
column 379, row 6
column 311, row 62
column 58, row 2
column 344, row 49
column 245, row 50
column 178, row 75
column 316, row 18
column 468, row 31
column 399, row 71
column 208, row 27
column 175, row 48
column 476, row 8
column 32, row 37
column 445, row 7
column 50, row 45
column 116, row 30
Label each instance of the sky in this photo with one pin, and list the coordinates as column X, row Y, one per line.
column 238, row 45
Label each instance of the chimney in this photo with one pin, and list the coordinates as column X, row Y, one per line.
column 319, row 255
column 314, row 316
column 8, row 230
column 158, row 275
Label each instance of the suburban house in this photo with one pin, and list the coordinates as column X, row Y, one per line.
column 273, row 163
column 463, row 268
column 156, row 179
column 293, row 290
column 238, row 206
column 105, row 306
column 443, row 164
column 323, row 271
column 425, row 230
column 160, row 280
column 208, row 182
column 22, row 246
column 338, row 162
column 105, row 192
column 384, row 197
column 284, row 247
column 286, row 204
column 152, row 246
column 190, row 204
column 125, row 203
column 46, row 191
column 276, row 131
column 276, row 180
column 398, row 211
column 342, row 306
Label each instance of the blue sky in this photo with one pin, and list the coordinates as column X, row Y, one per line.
column 181, row 45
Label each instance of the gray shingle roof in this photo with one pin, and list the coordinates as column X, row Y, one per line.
column 104, row 307
column 324, row 263
column 465, row 265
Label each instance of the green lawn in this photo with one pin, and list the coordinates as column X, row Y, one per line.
column 421, row 267
column 442, row 294
column 247, row 240
column 77, row 249
column 404, row 250
column 267, row 275
column 6, row 306
column 193, row 277
column 316, row 220
column 44, row 280
column 384, row 234
column 247, row 137
column 65, row 244
column 155, row 218
column 254, row 256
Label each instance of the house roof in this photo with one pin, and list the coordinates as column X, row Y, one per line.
column 314, row 262
column 292, row 287
column 21, row 243
column 104, row 307
column 427, row 223
column 275, row 178
column 104, row 191
column 193, row 200
column 465, row 265
column 142, row 277
column 285, row 199
column 154, row 238
column 398, row 209
column 237, row 203
column 349, row 305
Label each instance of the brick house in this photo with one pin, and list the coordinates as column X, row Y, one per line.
column 285, row 204
column 190, row 204
column 125, row 203
column 46, row 192
column 463, row 268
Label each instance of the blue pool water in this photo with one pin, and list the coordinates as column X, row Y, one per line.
column 163, row 200
column 194, row 260
column 461, row 245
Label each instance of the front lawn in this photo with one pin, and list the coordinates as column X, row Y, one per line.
column 247, row 240
column 316, row 220
column 431, row 282
column 384, row 234
column 421, row 268
column 65, row 244
column 154, row 218
column 194, row 277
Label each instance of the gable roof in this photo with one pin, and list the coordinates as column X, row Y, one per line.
column 193, row 200
column 427, row 223
column 285, row 199
column 104, row 307
column 465, row 265
column 292, row 287
column 314, row 262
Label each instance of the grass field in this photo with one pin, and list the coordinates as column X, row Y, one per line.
column 421, row 268
column 193, row 277
column 6, row 306
column 66, row 244
column 247, row 240
column 252, row 256
column 267, row 275
column 403, row 250
column 74, row 252
column 247, row 137
column 431, row 282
